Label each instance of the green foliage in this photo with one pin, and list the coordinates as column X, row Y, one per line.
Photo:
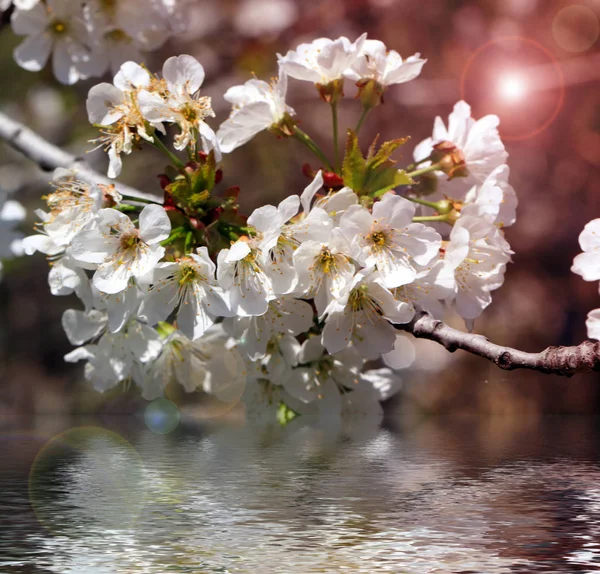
column 377, row 173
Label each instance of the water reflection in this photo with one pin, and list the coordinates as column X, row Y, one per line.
column 439, row 496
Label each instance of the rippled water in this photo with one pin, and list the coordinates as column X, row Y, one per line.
column 438, row 496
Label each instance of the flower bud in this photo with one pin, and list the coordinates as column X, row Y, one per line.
column 332, row 180
column 450, row 159
column 285, row 127
column 332, row 91
column 370, row 93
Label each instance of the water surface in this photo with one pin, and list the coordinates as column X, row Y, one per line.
column 474, row 496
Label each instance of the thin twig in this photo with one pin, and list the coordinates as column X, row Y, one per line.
column 564, row 361
column 49, row 157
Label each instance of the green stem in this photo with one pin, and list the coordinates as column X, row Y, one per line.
column 137, row 199
column 312, row 146
column 424, row 170
column 188, row 242
column 125, row 208
column 175, row 235
column 336, row 150
column 172, row 157
column 423, row 202
column 364, row 114
column 416, row 163
column 426, row 218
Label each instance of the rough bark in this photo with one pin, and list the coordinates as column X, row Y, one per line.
column 564, row 361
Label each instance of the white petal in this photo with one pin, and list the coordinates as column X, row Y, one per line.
column 155, row 225
column 184, row 73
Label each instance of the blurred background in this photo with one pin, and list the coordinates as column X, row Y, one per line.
column 534, row 63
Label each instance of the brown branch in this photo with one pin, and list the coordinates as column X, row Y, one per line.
column 564, row 361
column 49, row 157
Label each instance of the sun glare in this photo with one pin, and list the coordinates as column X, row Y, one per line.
column 512, row 88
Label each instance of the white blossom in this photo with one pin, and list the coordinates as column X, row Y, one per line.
column 208, row 364
column 121, row 31
column 257, row 106
column 322, row 61
column 389, row 240
column 375, row 62
column 494, row 198
column 241, row 273
column 118, row 249
column 182, row 103
column 362, row 315
column 115, row 109
column 187, row 285
column 478, row 148
column 477, row 253
column 115, row 357
column 587, row 264
column 593, row 324
column 284, row 316
column 324, row 270
column 55, row 27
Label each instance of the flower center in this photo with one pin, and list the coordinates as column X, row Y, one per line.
column 118, row 36
column 58, row 28
column 378, row 238
column 326, row 261
column 187, row 275
column 129, row 242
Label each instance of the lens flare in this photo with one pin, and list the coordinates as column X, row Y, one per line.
column 87, row 478
column 512, row 88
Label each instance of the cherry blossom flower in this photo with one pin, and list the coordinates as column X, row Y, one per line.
column 494, row 198
column 284, row 315
column 362, row 315
column 277, row 245
column 322, row 61
column 388, row 240
column 115, row 357
column 209, row 364
column 182, row 103
column 121, row 31
column 324, row 269
column 587, row 264
column 257, row 106
column 118, row 249
column 471, row 149
column 189, row 286
column 375, row 62
column 115, row 109
column 477, row 253
column 55, row 27
column 430, row 286
column 241, row 273
column 593, row 324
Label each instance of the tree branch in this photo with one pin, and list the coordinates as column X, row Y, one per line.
column 49, row 157
column 564, row 361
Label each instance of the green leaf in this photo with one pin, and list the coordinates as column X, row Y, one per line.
column 354, row 167
column 377, row 173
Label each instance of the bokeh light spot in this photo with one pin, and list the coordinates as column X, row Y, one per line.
column 162, row 416
column 575, row 28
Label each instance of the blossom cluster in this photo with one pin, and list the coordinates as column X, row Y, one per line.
column 85, row 38
column 298, row 303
